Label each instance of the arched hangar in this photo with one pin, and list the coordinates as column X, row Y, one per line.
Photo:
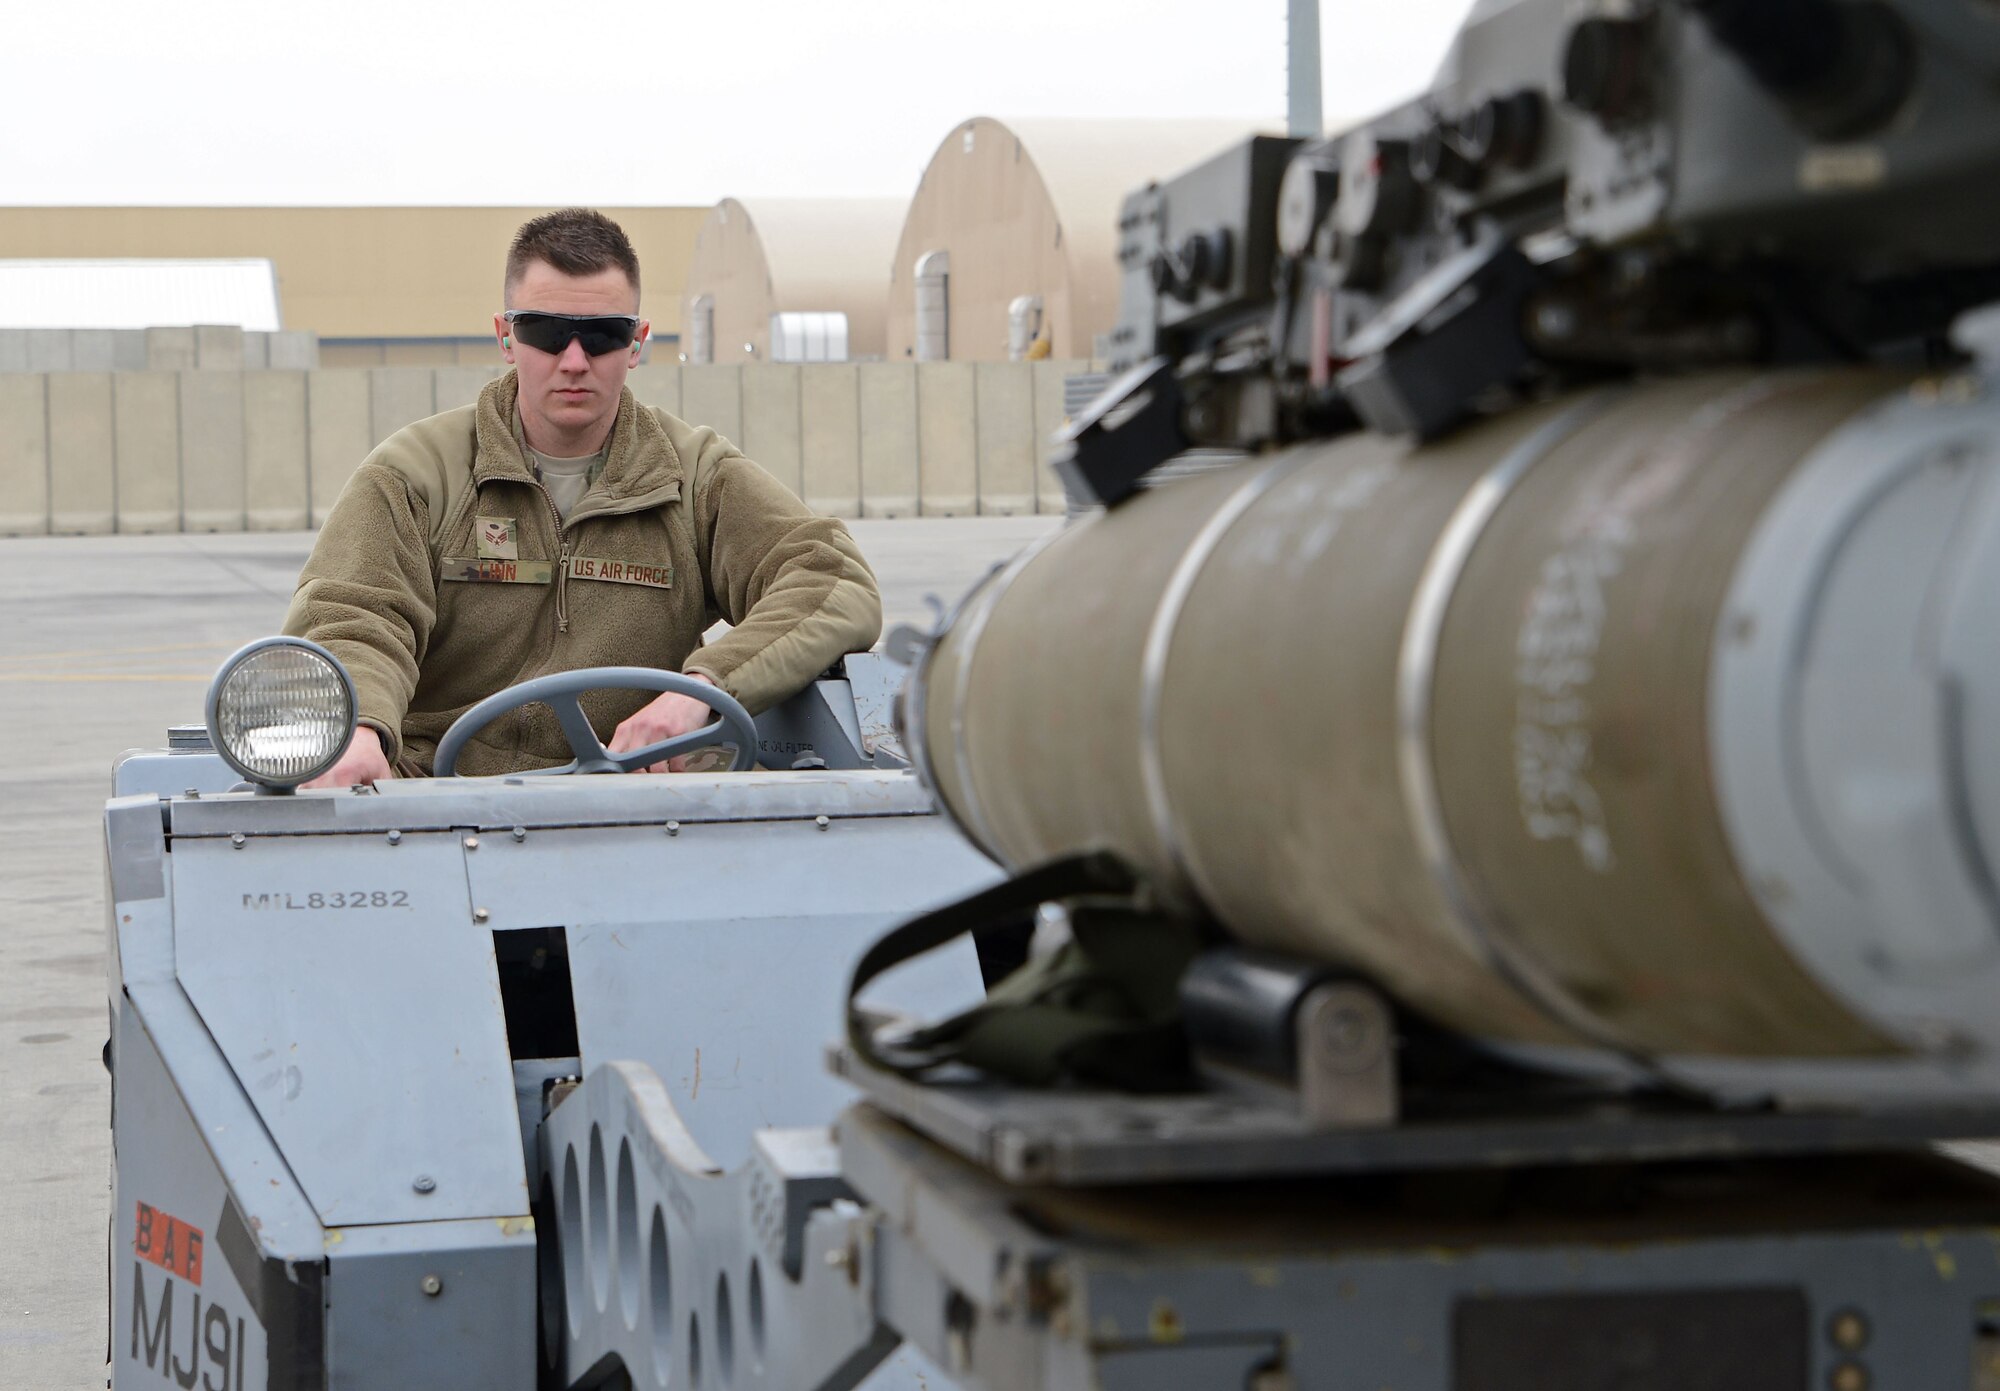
column 1012, row 233
column 789, row 280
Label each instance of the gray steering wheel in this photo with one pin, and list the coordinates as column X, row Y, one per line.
column 560, row 693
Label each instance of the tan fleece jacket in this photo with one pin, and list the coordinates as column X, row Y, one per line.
column 443, row 575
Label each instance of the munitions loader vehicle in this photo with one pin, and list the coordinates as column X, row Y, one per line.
column 1472, row 864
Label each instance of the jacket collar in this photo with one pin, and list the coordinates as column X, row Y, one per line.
column 641, row 468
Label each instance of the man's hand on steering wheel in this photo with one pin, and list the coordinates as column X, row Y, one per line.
column 663, row 718
column 562, row 691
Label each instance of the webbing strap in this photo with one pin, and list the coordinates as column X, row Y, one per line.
column 1104, row 1008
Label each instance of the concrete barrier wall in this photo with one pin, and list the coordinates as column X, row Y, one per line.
column 82, row 489
column 277, row 492
column 398, row 397
column 947, row 439
column 771, row 423
column 338, row 433
column 888, row 410
column 24, row 455
column 222, row 348
column 452, row 387
column 218, row 347
column 108, row 349
column 170, row 349
column 1004, row 399
column 51, row 350
column 656, row 384
column 146, row 450
column 213, row 496
column 208, row 449
column 712, row 395
column 830, row 437
column 290, row 349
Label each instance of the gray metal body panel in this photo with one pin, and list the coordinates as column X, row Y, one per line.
column 817, row 723
column 358, row 1004
column 281, row 1301
column 284, row 1302
column 432, row 1304
column 874, row 682
column 1017, row 1288
column 169, row 1309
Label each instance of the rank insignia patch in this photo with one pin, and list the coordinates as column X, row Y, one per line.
column 496, row 537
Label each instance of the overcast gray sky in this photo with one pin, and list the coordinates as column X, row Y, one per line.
column 622, row 101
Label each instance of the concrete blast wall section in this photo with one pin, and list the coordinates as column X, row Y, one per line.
column 152, row 450
column 222, row 347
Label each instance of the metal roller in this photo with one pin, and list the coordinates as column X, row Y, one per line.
column 1663, row 718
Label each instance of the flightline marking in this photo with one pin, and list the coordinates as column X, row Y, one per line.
column 88, row 676
column 118, row 651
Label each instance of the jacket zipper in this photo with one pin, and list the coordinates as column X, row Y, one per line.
column 562, row 559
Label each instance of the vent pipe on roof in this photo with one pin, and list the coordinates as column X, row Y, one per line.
column 701, row 330
column 1302, row 63
column 1024, row 325
column 933, row 284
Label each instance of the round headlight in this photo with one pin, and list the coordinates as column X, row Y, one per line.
column 281, row 711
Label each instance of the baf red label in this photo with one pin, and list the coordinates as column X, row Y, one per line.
column 169, row 1243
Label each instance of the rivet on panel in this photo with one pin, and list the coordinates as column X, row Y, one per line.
column 238, row 840
column 821, row 822
column 472, row 842
column 480, row 915
column 673, row 828
column 395, row 837
column 1849, row 1330
column 431, row 1285
column 1848, row 1376
column 520, row 834
column 424, row 1183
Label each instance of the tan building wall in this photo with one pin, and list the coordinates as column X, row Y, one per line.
column 1031, row 208
column 769, row 255
column 360, row 273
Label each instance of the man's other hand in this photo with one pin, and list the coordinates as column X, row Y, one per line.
column 363, row 762
column 663, row 718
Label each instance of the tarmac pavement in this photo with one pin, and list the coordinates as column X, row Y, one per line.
column 104, row 642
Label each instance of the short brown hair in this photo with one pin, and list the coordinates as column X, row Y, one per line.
column 576, row 241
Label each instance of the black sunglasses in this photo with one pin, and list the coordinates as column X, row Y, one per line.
column 599, row 333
